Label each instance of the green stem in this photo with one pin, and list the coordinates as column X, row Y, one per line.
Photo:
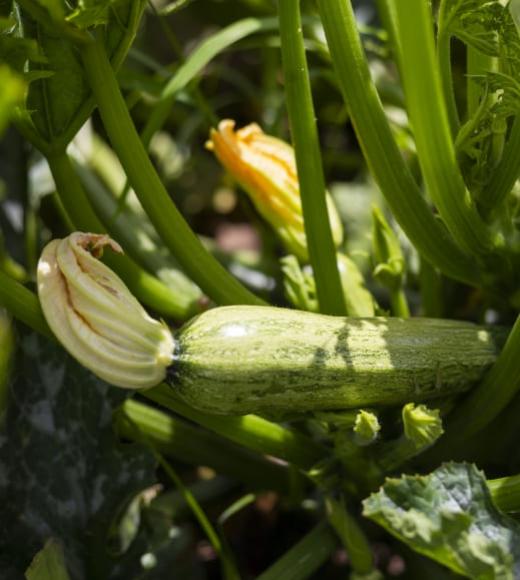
column 7, row 348
column 492, row 395
column 506, row 493
column 146, row 288
column 190, row 444
column 380, row 149
column 22, row 304
column 249, row 430
column 430, row 281
column 229, row 571
column 444, row 64
column 351, row 535
column 387, row 15
column 429, row 119
column 205, row 271
column 399, row 303
column 322, row 252
column 504, row 174
column 305, row 557
column 477, row 64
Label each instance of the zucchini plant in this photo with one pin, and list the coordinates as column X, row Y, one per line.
column 360, row 361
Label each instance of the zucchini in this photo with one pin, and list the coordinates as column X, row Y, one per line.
column 245, row 359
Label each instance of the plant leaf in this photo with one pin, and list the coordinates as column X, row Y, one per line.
column 48, row 564
column 449, row 516
column 63, row 473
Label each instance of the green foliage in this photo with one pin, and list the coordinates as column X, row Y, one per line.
column 59, row 100
column 48, row 564
column 65, row 475
column 77, row 502
column 450, row 517
column 12, row 91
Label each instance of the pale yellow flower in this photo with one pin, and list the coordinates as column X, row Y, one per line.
column 96, row 318
column 265, row 168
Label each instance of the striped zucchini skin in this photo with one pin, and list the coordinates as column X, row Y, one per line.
column 243, row 359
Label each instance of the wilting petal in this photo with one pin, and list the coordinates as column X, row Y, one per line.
column 96, row 318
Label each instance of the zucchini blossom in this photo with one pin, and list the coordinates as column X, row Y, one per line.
column 265, row 168
column 96, row 318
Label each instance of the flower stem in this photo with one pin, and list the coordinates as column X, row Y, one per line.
column 302, row 119
column 205, row 271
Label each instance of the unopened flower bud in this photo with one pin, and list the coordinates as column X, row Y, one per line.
column 265, row 168
column 96, row 318
column 366, row 427
column 422, row 426
column 389, row 261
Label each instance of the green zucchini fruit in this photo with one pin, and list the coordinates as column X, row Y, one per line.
column 243, row 359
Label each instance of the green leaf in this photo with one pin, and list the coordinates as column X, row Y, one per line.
column 474, row 22
column 90, row 13
column 12, row 91
column 449, row 516
column 59, row 100
column 63, row 472
column 48, row 564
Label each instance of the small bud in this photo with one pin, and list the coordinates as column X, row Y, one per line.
column 390, row 265
column 358, row 300
column 96, row 318
column 422, row 426
column 366, row 428
column 265, row 168
column 300, row 286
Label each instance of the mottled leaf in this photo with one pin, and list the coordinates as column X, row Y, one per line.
column 450, row 517
column 63, row 473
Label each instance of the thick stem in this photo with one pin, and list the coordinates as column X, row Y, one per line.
column 322, row 252
column 504, row 175
column 380, row 149
column 212, row 278
column 22, row 304
column 195, row 446
column 250, row 430
column 485, row 402
column 429, row 119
